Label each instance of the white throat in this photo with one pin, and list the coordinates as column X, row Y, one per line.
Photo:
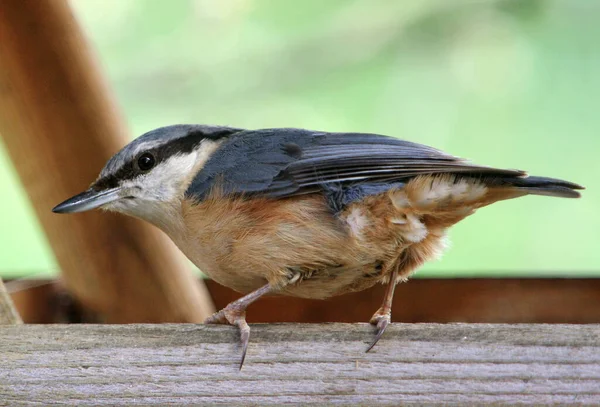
column 157, row 195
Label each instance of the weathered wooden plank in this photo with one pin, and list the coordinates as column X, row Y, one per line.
column 300, row 364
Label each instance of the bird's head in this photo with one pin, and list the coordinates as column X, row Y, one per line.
column 151, row 173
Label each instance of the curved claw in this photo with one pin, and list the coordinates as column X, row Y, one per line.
column 382, row 322
column 244, row 338
column 234, row 316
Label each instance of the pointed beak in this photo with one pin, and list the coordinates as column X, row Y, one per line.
column 87, row 200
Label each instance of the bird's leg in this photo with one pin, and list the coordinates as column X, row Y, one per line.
column 383, row 316
column 235, row 314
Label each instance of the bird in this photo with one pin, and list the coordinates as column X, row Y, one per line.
column 297, row 212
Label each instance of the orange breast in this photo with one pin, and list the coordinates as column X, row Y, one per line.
column 245, row 243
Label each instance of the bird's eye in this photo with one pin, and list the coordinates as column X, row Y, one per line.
column 146, row 161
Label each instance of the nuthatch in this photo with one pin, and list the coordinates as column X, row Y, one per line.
column 297, row 212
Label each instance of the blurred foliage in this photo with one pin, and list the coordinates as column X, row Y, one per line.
column 506, row 83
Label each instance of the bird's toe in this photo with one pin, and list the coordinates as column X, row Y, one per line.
column 381, row 321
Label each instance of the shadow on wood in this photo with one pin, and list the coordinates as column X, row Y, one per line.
column 8, row 312
column 511, row 300
column 532, row 300
column 300, row 364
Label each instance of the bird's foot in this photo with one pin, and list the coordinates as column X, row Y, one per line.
column 381, row 319
column 233, row 314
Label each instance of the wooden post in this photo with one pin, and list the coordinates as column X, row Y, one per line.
column 60, row 124
column 8, row 313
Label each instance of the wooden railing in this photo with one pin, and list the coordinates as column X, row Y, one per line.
column 300, row 364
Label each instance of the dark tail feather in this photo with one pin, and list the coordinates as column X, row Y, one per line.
column 539, row 186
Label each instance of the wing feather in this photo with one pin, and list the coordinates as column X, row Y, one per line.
column 287, row 162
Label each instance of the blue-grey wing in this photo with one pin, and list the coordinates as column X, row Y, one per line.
column 287, row 162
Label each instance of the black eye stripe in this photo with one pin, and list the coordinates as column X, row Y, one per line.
column 182, row 145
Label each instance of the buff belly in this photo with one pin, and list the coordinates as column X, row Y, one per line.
column 247, row 243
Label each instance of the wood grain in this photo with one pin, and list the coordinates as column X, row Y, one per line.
column 60, row 124
column 300, row 364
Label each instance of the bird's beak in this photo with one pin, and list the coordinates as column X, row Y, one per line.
column 87, row 200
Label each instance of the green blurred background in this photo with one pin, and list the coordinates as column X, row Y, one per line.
column 506, row 83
